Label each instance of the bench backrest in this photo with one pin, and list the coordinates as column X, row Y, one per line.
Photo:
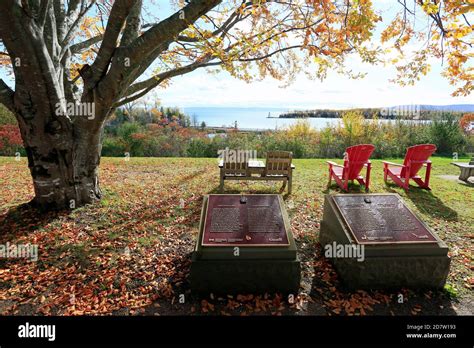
column 278, row 163
column 236, row 165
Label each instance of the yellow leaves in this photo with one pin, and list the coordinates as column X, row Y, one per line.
column 353, row 124
column 74, row 70
column 4, row 60
column 429, row 7
column 89, row 27
column 459, row 32
column 300, row 129
column 425, row 69
column 449, row 38
column 393, row 29
column 467, row 8
column 320, row 28
column 156, row 112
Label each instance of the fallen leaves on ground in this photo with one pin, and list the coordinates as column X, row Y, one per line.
column 130, row 253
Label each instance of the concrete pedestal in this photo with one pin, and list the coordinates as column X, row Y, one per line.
column 245, row 269
column 385, row 265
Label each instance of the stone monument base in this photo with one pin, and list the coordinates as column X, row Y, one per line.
column 384, row 265
column 245, row 276
column 237, row 268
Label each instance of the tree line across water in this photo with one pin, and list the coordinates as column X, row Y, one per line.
column 167, row 132
column 408, row 112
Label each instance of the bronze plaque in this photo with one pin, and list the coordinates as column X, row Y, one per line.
column 381, row 219
column 250, row 220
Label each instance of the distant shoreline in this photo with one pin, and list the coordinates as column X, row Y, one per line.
column 417, row 112
column 269, row 118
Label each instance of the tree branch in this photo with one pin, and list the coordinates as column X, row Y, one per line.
column 44, row 8
column 143, row 87
column 76, row 22
column 272, row 53
column 233, row 19
column 169, row 28
column 6, row 96
column 77, row 48
column 118, row 16
column 60, row 14
column 143, row 50
column 132, row 28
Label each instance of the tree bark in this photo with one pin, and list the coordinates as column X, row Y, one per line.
column 65, row 174
column 54, row 187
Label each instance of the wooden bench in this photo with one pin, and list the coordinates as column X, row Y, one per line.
column 467, row 169
column 278, row 167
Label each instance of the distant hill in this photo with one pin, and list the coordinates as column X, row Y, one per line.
column 453, row 107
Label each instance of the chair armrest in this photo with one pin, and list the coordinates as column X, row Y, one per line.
column 392, row 164
column 368, row 163
column 425, row 163
column 331, row 163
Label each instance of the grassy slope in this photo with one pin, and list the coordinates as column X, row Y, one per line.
column 130, row 253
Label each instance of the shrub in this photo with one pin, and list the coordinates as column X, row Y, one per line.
column 6, row 117
column 446, row 133
column 351, row 128
column 114, row 147
column 10, row 140
column 169, row 134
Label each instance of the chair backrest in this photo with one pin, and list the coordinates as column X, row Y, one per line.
column 355, row 158
column 415, row 156
column 278, row 163
column 237, row 164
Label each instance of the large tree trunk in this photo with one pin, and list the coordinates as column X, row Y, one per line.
column 58, row 182
column 63, row 151
column 65, row 174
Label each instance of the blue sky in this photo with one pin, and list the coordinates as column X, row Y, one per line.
column 202, row 89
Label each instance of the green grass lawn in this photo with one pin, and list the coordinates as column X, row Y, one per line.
column 130, row 253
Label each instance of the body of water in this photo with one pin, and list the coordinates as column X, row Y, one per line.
column 251, row 118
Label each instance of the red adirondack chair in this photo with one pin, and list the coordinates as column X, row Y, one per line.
column 415, row 158
column 355, row 159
